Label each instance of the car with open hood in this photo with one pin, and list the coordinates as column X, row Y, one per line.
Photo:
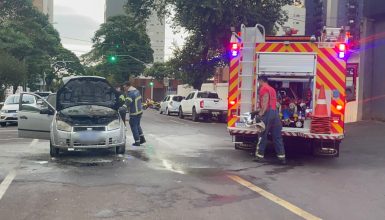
column 85, row 116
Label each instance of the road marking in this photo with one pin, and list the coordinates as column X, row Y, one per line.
column 294, row 209
column 6, row 131
column 178, row 122
column 33, row 142
column 6, row 182
column 11, row 139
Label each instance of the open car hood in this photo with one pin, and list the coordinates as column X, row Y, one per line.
column 86, row 90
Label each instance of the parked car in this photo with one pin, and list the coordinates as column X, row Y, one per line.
column 203, row 104
column 9, row 111
column 170, row 104
column 85, row 117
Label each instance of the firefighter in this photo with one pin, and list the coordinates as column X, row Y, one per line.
column 269, row 114
column 122, row 99
column 134, row 105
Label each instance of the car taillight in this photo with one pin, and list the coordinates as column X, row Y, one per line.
column 202, row 104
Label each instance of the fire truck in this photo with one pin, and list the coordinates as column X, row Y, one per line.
column 297, row 67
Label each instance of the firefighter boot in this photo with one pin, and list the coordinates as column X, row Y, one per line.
column 142, row 139
column 282, row 159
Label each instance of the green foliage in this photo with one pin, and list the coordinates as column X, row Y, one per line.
column 123, row 38
column 159, row 71
column 26, row 34
column 209, row 24
column 12, row 71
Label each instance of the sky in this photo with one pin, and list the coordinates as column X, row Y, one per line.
column 77, row 21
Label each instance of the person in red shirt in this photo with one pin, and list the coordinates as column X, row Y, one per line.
column 270, row 116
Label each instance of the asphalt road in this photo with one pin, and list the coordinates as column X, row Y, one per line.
column 190, row 170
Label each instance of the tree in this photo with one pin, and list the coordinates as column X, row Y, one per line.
column 12, row 71
column 159, row 71
column 209, row 24
column 26, row 34
column 124, row 39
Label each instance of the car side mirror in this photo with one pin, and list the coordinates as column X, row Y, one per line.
column 46, row 111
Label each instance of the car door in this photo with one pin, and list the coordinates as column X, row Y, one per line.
column 189, row 104
column 35, row 117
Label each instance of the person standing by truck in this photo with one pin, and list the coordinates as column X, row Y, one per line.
column 134, row 105
column 269, row 114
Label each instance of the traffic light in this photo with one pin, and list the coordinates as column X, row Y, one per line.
column 151, row 84
column 112, row 58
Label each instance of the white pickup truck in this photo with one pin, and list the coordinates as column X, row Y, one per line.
column 203, row 104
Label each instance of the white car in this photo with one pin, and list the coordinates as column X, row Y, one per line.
column 9, row 111
column 85, row 117
column 203, row 104
column 170, row 104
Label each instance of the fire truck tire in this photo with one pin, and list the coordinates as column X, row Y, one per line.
column 195, row 116
column 237, row 146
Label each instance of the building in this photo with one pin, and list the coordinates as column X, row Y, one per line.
column 371, row 94
column 155, row 27
column 296, row 19
column 46, row 7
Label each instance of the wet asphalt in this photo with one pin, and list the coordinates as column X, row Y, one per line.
column 182, row 172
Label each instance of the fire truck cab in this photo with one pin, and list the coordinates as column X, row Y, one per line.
column 297, row 67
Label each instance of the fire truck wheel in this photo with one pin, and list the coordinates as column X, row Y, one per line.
column 237, row 146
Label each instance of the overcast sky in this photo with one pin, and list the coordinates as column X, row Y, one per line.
column 77, row 21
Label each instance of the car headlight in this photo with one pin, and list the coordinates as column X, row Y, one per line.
column 3, row 111
column 113, row 125
column 63, row 126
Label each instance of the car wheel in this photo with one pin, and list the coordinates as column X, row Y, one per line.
column 53, row 151
column 195, row 116
column 3, row 124
column 121, row 149
column 181, row 116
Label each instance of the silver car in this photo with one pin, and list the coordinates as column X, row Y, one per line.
column 10, row 108
column 84, row 116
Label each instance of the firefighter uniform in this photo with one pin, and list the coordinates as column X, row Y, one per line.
column 134, row 105
column 272, row 122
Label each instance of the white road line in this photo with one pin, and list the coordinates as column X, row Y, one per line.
column 7, row 131
column 33, row 142
column 177, row 122
column 11, row 139
column 6, row 182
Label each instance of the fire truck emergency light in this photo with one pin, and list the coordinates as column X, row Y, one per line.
column 234, row 49
column 342, row 50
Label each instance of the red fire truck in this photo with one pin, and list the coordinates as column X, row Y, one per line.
column 297, row 67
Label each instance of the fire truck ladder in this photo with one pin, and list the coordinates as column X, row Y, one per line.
column 250, row 36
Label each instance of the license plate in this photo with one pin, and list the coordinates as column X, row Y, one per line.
column 86, row 136
column 14, row 115
column 240, row 125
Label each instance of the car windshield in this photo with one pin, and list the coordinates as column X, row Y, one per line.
column 88, row 110
column 208, row 95
column 177, row 98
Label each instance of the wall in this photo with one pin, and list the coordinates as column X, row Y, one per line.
column 372, row 68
